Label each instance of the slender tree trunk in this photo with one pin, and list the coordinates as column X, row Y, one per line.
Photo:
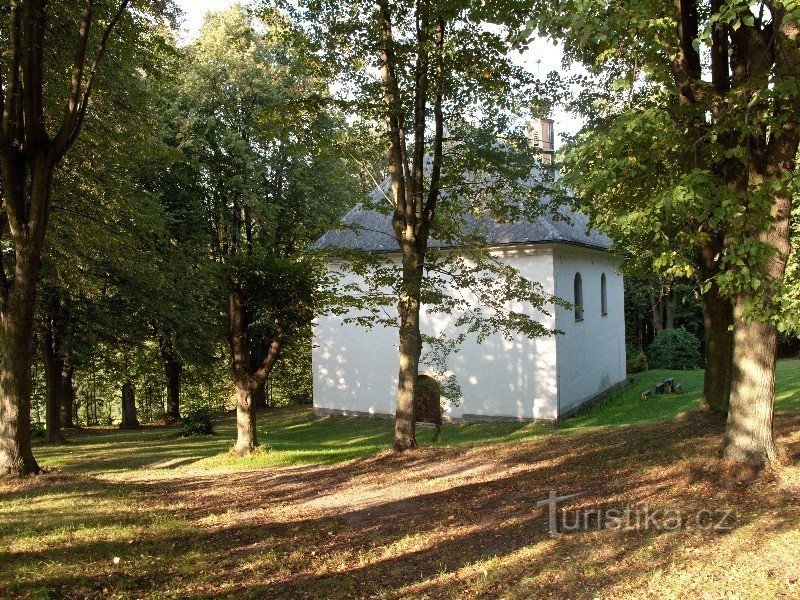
column 718, row 324
column 247, row 380
column 53, row 370
column 655, row 309
column 410, row 351
column 172, row 372
column 68, row 396
column 669, row 309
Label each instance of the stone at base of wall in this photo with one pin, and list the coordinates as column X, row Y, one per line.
column 472, row 418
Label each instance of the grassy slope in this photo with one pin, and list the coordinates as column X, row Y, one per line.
column 455, row 520
column 294, row 437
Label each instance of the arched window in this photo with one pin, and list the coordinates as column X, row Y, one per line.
column 578, row 297
column 603, row 295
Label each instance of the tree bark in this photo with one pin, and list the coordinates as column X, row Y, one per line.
column 669, row 309
column 246, row 379
column 748, row 435
column 655, row 309
column 129, row 419
column 260, row 396
column 53, row 370
column 16, row 325
column 68, row 396
column 17, row 312
column 246, row 431
column 172, row 372
column 718, row 327
column 410, row 351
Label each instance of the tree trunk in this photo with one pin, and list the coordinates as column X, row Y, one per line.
column 68, row 396
column 172, row 372
column 16, row 325
column 718, row 323
column 246, row 432
column 410, row 351
column 53, row 370
column 748, row 435
column 129, row 419
column 260, row 396
column 655, row 309
column 669, row 309
column 16, row 349
column 246, row 379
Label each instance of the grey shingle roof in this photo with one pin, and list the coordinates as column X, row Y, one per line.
column 368, row 229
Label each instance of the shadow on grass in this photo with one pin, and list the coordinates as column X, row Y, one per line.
column 488, row 533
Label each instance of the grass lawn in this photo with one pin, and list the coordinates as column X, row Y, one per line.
column 327, row 511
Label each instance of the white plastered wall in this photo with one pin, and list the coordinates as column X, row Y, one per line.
column 591, row 353
column 355, row 370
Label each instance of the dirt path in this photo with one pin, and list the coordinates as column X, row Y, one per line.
column 451, row 523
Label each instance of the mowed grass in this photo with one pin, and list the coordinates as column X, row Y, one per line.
column 326, row 511
column 294, row 436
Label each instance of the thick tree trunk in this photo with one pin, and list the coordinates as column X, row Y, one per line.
column 129, row 419
column 410, row 351
column 53, row 371
column 246, row 432
column 68, row 396
column 718, row 324
column 172, row 373
column 748, row 435
column 16, row 326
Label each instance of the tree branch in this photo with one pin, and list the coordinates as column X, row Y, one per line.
column 685, row 60
column 720, row 68
column 391, row 97
column 420, row 109
column 84, row 105
column 33, row 76
column 438, row 117
column 271, row 358
column 76, row 83
column 12, row 113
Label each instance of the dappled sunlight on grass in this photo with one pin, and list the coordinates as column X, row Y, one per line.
column 295, row 436
column 324, row 509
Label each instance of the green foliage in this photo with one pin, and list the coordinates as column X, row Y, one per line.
column 466, row 85
column 37, row 429
column 291, row 381
column 636, row 361
column 198, row 420
column 670, row 164
column 674, row 349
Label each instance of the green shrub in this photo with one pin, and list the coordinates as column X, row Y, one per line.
column 37, row 430
column 198, row 420
column 674, row 349
column 637, row 361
